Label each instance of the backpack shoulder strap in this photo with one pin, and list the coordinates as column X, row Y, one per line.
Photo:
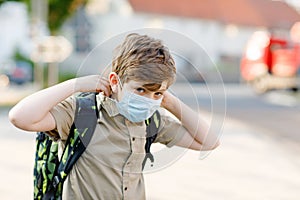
column 153, row 124
column 80, row 134
column 86, row 117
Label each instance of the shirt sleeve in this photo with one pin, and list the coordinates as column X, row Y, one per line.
column 63, row 114
column 170, row 132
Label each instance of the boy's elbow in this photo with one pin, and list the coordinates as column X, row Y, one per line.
column 210, row 147
column 13, row 118
column 216, row 145
column 16, row 119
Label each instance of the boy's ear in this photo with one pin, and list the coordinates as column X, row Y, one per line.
column 114, row 82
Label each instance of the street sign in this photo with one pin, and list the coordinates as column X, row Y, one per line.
column 51, row 49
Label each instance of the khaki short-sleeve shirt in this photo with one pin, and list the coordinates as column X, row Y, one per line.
column 111, row 166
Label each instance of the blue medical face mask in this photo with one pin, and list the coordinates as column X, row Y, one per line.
column 137, row 108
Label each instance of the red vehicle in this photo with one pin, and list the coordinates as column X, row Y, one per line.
column 270, row 63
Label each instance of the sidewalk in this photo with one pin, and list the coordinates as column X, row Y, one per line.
column 247, row 166
column 16, row 164
column 13, row 94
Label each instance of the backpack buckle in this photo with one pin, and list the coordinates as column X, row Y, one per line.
column 55, row 181
column 41, row 136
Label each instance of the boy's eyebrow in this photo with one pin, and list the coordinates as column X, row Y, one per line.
column 158, row 90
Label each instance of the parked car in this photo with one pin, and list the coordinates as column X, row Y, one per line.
column 18, row 72
column 270, row 62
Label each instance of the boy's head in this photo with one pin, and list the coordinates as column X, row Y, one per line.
column 144, row 59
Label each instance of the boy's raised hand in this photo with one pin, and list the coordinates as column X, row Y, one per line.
column 169, row 101
column 93, row 83
column 198, row 129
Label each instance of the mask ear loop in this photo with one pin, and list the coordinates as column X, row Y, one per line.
column 119, row 82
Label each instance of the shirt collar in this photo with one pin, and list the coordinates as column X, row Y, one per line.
column 108, row 104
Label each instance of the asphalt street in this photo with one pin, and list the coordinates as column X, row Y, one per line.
column 277, row 113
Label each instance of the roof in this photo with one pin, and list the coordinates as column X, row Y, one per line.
column 268, row 13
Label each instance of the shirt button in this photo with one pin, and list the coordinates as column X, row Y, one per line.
column 133, row 139
column 125, row 188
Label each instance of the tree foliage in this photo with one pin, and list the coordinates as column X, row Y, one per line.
column 58, row 11
column 3, row 1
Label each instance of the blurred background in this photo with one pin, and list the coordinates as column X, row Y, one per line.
column 253, row 45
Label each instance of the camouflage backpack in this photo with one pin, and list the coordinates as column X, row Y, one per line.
column 50, row 172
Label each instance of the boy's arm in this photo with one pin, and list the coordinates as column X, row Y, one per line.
column 33, row 112
column 198, row 129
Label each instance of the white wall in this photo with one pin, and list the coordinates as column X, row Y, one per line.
column 14, row 30
column 214, row 38
column 208, row 34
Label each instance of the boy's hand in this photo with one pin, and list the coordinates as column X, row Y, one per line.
column 93, row 83
column 169, row 101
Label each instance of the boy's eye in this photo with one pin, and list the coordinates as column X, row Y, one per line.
column 140, row 90
column 158, row 93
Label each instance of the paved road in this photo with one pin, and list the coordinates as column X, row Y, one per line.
column 255, row 161
column 16, row 153
column 276, row 113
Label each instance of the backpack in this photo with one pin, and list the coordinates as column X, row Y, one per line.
column 50, row 172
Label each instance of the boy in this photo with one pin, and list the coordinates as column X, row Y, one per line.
column 111, row 166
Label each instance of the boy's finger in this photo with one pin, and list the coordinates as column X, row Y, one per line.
column 106, row 90
column 104, row 81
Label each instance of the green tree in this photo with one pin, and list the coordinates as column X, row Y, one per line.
column 58, row 11
column 3, row 1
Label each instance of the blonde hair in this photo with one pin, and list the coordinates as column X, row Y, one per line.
column 145, row 59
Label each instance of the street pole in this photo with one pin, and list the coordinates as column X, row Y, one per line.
column 39, row 17
column 52, row 73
